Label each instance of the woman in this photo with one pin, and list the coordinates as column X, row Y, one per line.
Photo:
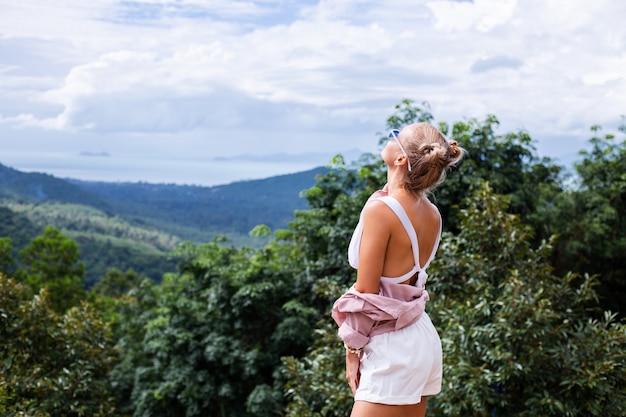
column 393, row 352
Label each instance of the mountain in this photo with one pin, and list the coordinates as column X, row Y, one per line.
column 197, row 213
column 38, row 187
column 136, row 225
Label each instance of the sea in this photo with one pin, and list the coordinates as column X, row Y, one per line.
column 165, row 170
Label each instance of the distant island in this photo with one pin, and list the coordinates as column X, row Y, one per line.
column 103, row 153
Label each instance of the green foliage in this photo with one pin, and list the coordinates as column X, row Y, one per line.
column 507, row 162
column 101, row 253
column 6, row 255
column 321, row 233
column 406, row 113
column 135, row 225
column 105, row 241
column 88, row 220
column 519, row 340
column 127, row 301
column 214, row 333
column 52, row 261
column 316, row 383
column 116, row 283
column 591, row 218
column 52, row 364
column 261, row 230
column 18, row 228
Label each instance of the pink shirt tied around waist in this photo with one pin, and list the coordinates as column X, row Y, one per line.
column 363, row 315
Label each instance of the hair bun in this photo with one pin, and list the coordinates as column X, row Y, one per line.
column 430, row 154
column 454, row 149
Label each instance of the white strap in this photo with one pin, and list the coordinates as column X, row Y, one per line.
column 406, row 222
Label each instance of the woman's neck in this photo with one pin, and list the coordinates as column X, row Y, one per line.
column 395, row 182
column 396, row 188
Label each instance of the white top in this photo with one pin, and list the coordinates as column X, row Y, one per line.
column 355, row 244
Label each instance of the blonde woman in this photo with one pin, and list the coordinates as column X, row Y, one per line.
column 393, row 352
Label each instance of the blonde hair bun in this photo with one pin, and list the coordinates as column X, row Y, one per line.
column 430, row 155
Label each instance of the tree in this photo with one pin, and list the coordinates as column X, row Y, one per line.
column 591, row 218
column 518, row 339
column 116, row 283
column 215, row 333
column 52, row 364
column 6, row 255
column 52, row 261
column 127, row 301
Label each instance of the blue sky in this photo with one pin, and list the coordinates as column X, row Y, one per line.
column 163, row 87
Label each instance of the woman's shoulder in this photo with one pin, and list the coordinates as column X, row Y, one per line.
column 376, row 207
column 377, row 212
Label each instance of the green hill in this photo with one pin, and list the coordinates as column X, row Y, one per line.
column 198, row 213
column 136, row 225
column 37, row 187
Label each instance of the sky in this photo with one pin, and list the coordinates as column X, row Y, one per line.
column 208, row 92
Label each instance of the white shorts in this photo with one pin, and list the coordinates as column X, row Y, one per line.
column 402, row 366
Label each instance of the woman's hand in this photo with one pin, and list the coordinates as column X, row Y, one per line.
column 353, row 375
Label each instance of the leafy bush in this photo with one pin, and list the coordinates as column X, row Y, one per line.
column 518, row 340
column 52, row 261
column 52, row 364
column 214, row 333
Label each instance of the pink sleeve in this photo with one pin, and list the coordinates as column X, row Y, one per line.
column 355, row 324
column 355, row 330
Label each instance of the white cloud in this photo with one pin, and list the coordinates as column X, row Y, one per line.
column 196, row 68
column 481, row 15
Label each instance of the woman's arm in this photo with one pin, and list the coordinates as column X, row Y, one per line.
column 353, row 375
column 376, row 234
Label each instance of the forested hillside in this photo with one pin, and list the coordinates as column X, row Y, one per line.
column 38, row 187
column 526, row 292
column 198, row 213
column 137, row 225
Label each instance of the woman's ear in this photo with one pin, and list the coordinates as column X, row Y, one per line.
column 400, row 160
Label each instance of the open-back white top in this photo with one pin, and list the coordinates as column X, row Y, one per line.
column 355, row 245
